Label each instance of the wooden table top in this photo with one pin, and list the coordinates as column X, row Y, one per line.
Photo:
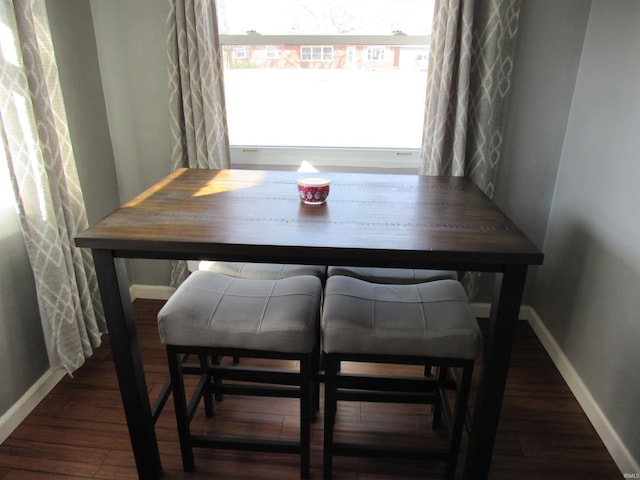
column 369, row 219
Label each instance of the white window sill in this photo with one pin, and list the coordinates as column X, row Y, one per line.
column 323, row 158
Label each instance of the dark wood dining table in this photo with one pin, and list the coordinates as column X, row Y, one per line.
column 383, row 220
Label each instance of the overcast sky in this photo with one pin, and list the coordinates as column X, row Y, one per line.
column 364, row 17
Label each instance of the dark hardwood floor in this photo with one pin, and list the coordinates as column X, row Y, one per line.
column 79, row 431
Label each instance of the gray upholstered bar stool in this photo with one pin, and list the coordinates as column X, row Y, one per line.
column 427, row 323
column 395, row 276
column 260, row 271
column 214, row 315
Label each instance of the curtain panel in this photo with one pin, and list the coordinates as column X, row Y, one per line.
column 196, row 87
column 470, row 65
column 199, row 131
column 40, row 164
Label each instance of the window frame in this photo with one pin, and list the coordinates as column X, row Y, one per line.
column 404, row 160
column 271, row 52
column 321, row 51
column 377, row 51
column 240, row 48
column 325, row 158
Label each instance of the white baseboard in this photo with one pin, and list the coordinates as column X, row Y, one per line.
column 10, row 420
column 482, row 310
column 151, row 292
column 619, row 452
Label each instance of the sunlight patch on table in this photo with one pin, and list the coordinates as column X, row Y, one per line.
column 229, row 180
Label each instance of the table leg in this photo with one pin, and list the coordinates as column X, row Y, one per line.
column 114, row 289
column 505, row 309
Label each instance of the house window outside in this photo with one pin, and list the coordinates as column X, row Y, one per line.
column 271, row 52
column 325, row 96
column 375, row 54
column 316, row 54
column 241, row 52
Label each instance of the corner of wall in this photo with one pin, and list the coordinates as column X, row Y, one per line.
column 12, row 418
column 151, row 292
column 621, row 455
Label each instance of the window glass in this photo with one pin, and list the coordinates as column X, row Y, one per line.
column 320, row 54
column 240, row 52
column 272, row 52
column 375, row 54
column 329, row 74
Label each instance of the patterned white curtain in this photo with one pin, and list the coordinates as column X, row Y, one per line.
column 196, row 99
column 469, row 78
column 40, row 163
column 470, row 65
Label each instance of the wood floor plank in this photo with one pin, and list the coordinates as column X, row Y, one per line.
column 28, row 475
column 79, row 430
column 48, row 457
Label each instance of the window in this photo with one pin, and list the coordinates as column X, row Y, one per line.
column 375, row 54
column 241, row 52
column 271, row 52
column 344, row 84
column 316, row 54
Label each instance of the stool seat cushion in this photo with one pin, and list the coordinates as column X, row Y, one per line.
column 398, row 276
column 214, row 310
column 430, row 319
column 263, row 271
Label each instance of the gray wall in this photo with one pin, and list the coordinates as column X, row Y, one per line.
column 75, row 45
column 549, row 44
column 588, row 292
column 569, row 179
column 132, row 38
column 23, row 357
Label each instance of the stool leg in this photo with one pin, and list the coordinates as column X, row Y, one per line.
column 331, row 366
column 180, row 403
column 436, row 410
column 315, row 384
column 459, row 415
column 206, row 392
column 306, row 407
column 216, row 361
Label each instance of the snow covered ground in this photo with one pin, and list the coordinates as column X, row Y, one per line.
column 326, row 108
